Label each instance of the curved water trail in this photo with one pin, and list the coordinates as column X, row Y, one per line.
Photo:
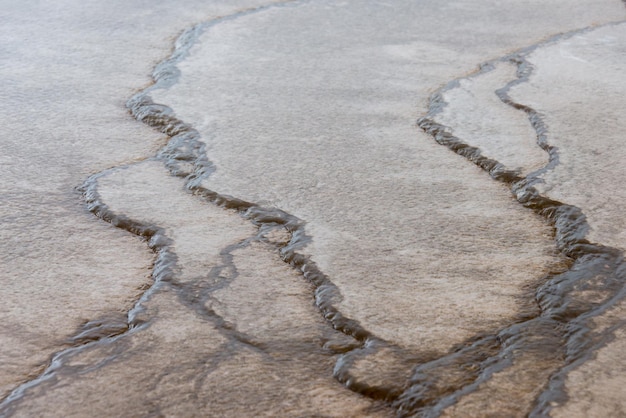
column 569, row 300
column 493, row 353
column 185, row 157
column 95, row 332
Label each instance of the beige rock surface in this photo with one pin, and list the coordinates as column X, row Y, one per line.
column 224, row 337
column 478, row 116
column 323, row 127
column 67, row 69
column 309, row 107
column 578, row 86
column 596, row 388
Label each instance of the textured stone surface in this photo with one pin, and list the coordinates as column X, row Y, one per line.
column 67, row 69
column 308, row 107
column 224, row 336
column 578, row 86
column 322, row 126
column 478, row 116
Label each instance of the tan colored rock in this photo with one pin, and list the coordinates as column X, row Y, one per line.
column 426, row 249
column 596, row 388
column 234, row 331
column 67, row 70
column 310, row 108
column 578, row 86
column 477, row 115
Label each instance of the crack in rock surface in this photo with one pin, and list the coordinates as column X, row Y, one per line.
column 336, row 148
column 341, row 107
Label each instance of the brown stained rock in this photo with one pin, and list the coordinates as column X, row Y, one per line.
column 264, row 357
column 233, row 330
column 183, row 365
column 513, row 389
column 596, row 387
column 425, row 249
column 271, row 302
column 578, row 87
column 199, row 230
column 67, row 70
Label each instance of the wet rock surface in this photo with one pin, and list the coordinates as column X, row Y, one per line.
column 586, row 126
column 67, row 70
column 298, row 246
